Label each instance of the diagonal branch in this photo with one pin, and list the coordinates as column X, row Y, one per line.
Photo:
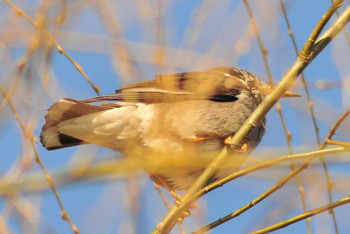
column 305, row 215
column 310, row 157
column 309, row 52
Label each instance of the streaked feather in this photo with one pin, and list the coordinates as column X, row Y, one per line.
column 209, row 85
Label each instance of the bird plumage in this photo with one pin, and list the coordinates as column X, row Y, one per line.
column 182, row 114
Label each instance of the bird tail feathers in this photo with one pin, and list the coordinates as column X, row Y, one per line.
column 65, row 109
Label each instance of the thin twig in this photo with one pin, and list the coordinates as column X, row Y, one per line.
column 287, row 133
column 57, row 45
column 305, row 215
column 159, row 52
column 110, row 169
column 263, row 49
column 338, row 143
column 327, row 207
column 32, row 141
column 336, row 125
column 269, row 163
column 260, row 198
column 313, row 117
column 166, row 203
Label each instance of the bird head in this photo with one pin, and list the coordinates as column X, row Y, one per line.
column 241, row 79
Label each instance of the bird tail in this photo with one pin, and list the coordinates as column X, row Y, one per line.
column 65, row 109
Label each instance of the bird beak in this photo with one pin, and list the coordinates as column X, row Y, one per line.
column 290, row 94
column 268, row 90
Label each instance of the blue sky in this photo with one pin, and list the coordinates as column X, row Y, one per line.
column 197, row 35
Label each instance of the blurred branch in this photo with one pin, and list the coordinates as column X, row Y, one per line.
column 120, row 53
column 30, row 137
column 57, row 45
column 303, row 80
column 3, row 226
column 269, row 163
column 34, row 182
column 309, row 52
column 262, row 48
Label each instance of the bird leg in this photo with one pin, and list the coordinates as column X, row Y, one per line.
column 160, row 181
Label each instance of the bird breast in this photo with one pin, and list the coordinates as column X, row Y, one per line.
column 194, row 125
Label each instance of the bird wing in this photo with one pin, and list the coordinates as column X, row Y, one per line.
column 218, row 84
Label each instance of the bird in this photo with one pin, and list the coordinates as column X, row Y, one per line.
column 189, row 115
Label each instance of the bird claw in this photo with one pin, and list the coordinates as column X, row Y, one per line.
column 185, row 214
column 177, row 197
column 239, row 148
column 244, row 147
column 228, row 140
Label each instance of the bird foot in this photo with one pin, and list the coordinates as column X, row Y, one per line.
column 239, row 148
column 185, row 213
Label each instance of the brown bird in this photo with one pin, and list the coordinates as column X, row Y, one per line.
column 188, row 115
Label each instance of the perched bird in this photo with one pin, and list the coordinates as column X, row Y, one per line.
column 189, row 115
